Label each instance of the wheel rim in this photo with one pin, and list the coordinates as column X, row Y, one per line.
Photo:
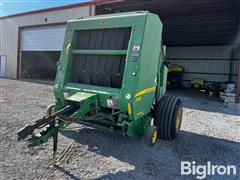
column 50, row 110
column 154, row 136
column 178, row 119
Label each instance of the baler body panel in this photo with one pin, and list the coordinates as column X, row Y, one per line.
column 117, row 57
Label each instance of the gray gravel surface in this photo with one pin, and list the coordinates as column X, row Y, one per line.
column 210, row 132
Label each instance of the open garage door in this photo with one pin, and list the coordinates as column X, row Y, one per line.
column 40, row 51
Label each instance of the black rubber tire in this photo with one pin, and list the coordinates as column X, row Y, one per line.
column 168, row 108
column 149, row 136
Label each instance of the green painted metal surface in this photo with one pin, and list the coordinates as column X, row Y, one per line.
column 99, row 52
column 80, row 96
column 143, row 74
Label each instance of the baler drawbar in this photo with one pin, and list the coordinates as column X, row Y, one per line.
column 46, row 121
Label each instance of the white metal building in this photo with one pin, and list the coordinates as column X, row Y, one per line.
column 202, row 36
column 35, row 36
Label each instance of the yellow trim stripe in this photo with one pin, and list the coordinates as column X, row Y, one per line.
column 145, row 91
column 129, row 109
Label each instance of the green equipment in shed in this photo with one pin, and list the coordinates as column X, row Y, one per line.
column 175, row 77
column 197, row 83
column 111, row 76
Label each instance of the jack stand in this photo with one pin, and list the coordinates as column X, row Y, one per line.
column 55, row 162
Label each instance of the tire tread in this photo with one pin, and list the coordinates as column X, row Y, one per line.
column 165, row 116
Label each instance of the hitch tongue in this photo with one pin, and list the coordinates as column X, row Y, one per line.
column 24, row 132
column 47, row 123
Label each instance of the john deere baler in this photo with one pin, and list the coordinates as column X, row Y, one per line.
column 111, row 76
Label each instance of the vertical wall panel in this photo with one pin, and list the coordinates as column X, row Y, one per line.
column 212, row 63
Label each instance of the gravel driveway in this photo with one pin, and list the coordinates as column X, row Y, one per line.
column 210, row 132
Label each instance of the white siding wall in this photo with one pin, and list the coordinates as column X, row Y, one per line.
column 9, row 31
column 204, row 59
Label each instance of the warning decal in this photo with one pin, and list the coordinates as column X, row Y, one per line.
column 135, row 53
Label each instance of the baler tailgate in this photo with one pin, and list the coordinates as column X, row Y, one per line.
column 99, row 56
